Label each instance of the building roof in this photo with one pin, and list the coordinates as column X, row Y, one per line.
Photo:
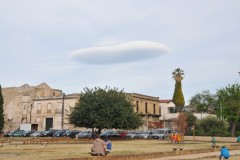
column 165, row 101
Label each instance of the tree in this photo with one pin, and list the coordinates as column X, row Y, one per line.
column 211, row 125
column 229, row 104
column 181, row 122
column 1, row 111
column 191, row 121
column 178, row 98
column 204, row 101
column 105, row 108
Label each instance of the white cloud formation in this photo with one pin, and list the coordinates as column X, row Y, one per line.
column 126, row 52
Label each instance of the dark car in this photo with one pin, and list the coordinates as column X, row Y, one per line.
column 18, row 133
column 85, row 134
column 49, row 133
column 108, row 134
column 71, row 134
column 59, row 133
column 27, row 133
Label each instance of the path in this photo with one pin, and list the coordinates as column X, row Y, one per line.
column 196, row 156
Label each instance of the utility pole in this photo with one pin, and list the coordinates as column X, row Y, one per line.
column 63, row 109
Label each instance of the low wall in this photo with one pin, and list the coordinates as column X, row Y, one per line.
column 209, row 138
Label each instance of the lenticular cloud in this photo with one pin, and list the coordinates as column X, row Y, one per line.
column 122, row 53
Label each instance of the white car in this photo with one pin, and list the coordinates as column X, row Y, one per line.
column 145, row 134
column 132, row 134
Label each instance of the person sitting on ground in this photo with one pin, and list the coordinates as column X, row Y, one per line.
column 224, row 153
column 98, row 146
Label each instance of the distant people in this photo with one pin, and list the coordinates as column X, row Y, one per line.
column 238, row 139
column 98, row 146
column 224, row 153
column 171, row 138
column 214, row 141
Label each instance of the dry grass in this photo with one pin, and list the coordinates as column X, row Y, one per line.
column 58, row 151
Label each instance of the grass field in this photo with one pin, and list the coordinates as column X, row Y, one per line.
column 11, row 151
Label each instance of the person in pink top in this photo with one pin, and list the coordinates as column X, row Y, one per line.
column 98, row 146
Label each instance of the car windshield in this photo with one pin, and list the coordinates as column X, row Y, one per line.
column 145, row 132
column 160, row 131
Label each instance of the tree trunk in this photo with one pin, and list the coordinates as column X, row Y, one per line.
column 99, row 130
column 233, row 128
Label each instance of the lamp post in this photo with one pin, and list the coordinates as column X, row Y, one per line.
column 62, row 125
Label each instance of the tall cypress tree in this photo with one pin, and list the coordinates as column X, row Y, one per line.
column 178, row 98
column 1, row 111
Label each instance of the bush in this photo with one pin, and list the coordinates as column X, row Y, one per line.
column 238, row 133
column 227, row 134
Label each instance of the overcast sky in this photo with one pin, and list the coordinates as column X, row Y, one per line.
column 134, row 45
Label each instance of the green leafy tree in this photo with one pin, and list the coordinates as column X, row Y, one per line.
column 191, row 121
column 178, row 98
column 105, row 108
column 211, row 125
column 229, row 104
column 204, row 102
column 1, row 111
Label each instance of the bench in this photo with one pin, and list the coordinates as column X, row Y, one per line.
column 177, row 148
column 215, row 147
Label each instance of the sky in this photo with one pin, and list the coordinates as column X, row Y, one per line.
column 132, row 45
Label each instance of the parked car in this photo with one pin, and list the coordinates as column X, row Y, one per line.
column 85, row 134
column 18, row 133
column 71, row 134
column 27, row 133
column 59, row 133
column 119, row 134
column 49, row 133
column 8, row 134
column 37, row 134
column 161, row 133
column 132, row 134
column 145, row 134
column 107, row 134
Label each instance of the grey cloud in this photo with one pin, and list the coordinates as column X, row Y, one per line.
column 133, row 51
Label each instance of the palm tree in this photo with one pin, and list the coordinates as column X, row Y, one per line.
column 178, row 98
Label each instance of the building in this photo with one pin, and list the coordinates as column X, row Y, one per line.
column 45, row 108
column 169, row 113
column 148, row 108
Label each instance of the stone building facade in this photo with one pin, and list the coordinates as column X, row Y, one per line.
column 44, row 107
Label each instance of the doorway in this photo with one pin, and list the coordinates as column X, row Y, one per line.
column 49, row 123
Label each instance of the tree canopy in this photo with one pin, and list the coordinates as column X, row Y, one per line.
column 204, row 102
column 105, row 108
column 1, row 111
column 178, row 98
column 229, row 104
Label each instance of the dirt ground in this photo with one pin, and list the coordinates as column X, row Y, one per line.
column 19, row 151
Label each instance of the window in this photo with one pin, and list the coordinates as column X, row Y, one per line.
column 172, row 110
column 49, row 107
column 146, row 110
column 137, row 106
column 39, row 106
column 154, row 109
